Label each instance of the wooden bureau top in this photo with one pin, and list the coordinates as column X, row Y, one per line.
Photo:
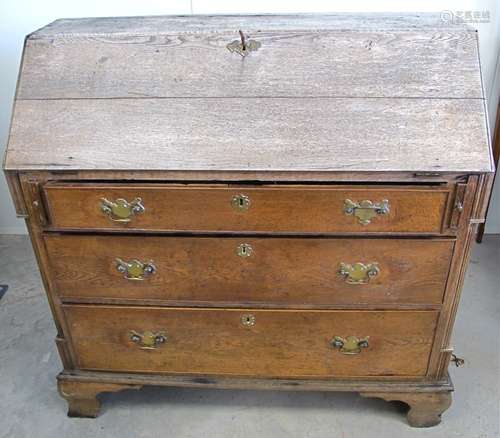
column 173, row 24
column 321, row 93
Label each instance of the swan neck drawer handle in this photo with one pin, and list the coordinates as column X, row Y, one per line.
column 135, row 269
column 366, row 210
column 148, row 340
column 358, row 273
column 350, row 344
column 120, row 210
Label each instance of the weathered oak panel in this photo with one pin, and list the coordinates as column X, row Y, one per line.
column 260, row 134
column 440, row 63
column 168, row 24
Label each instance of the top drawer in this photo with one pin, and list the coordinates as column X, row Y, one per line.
column 223, row 208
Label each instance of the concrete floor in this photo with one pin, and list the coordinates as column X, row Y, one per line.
column 30, row 406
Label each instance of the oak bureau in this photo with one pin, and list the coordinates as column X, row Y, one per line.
column 282, row 202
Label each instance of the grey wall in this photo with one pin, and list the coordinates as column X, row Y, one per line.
column 20, row 17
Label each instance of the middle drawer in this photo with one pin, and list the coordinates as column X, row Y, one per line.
column 246, row 271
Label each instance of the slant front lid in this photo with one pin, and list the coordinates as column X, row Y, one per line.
column 287, row 93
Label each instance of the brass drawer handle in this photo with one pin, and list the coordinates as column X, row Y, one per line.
column 244, row 250
column 135, row 269
column 248, row 320
column 350, row 345
column 121, row 210
column 358, row 273
column 366, row 210
column 240, row 202
column 148, row 340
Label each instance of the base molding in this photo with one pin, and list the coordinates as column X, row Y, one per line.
column 427, row 399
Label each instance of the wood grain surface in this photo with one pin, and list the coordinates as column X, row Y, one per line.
column 279, row 271
column 307, row 63
column 281, row 343
column 293, row 209
column 261, row 134
column 102, row 26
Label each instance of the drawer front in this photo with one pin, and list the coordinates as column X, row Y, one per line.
column 293, row 271
column 297, row 209
column 286, row 343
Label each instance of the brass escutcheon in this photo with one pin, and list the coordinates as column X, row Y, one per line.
column 366, row 210
column 350, row 344
column 244, row 46
column 244, row 250
column 135, row 269
column 248, row 320
column 358, row 273
column 240, row 202
column 121, row 210
column 148, row 340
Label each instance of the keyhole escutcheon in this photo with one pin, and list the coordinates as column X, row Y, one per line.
column 244, row 250
column 240, row 202
column 248, row 320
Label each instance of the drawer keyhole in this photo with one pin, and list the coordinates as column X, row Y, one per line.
column 240, row 202
column 244, row 250
column 248, row 320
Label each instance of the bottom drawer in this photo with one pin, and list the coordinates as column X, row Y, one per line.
column 263, row 343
